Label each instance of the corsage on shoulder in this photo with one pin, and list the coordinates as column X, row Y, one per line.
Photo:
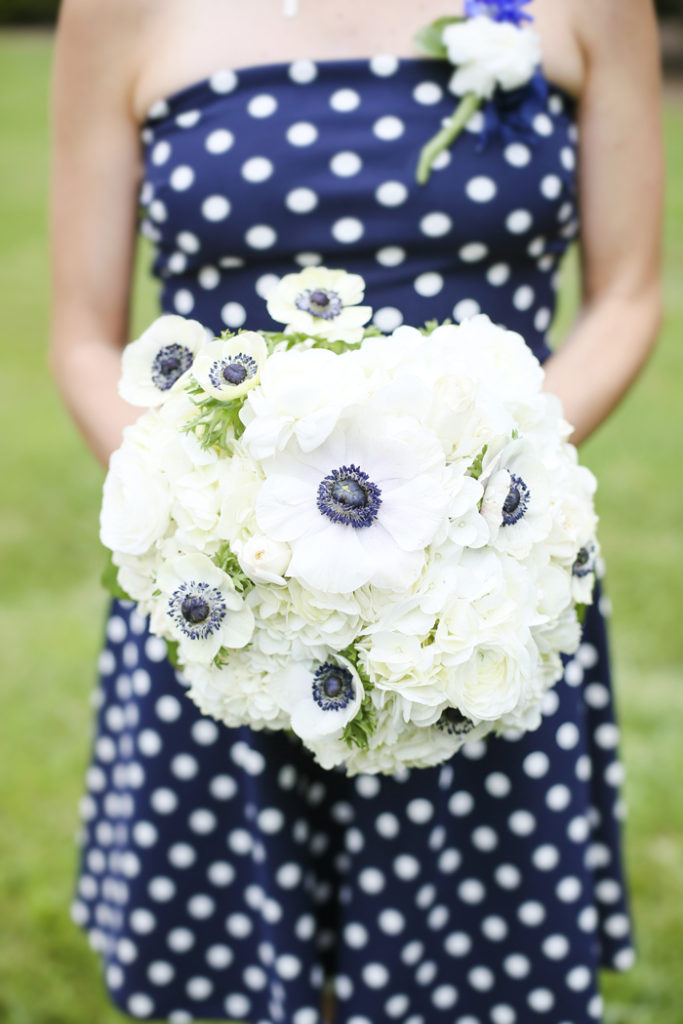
column 495, row 55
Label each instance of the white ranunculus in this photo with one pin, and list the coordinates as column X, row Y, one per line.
column 228, row 369
column 152, row 364
column 202, row 609
column 322, row 699
column 135, row 502
column 321, row 302
column 491, row 682
column 490, row 54
column 361, row 508
column 302, row 394
column 264, row 560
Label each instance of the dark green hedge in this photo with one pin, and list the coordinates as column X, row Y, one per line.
column 26, row 12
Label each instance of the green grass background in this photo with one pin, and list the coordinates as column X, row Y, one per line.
column 51, row 605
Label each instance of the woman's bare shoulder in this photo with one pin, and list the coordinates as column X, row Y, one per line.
column 605, row 26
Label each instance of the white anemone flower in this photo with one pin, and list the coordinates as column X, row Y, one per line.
column 228, row 369
column 203, row 611
column 321, row 302
column 361, row 508
column 516, row 502
column 322, row 698
column 152, row 364
column 490, row 53
column 584, row 572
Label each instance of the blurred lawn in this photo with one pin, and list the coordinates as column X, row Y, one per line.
column 52, row 606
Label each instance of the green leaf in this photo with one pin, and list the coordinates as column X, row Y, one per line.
column 581, row 612
column 476, row 467
column 358, row 731
column 428, row 40
column 227, row 560
column 172, row 653
column 110, row 579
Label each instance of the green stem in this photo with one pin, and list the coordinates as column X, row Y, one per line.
column 448, row 134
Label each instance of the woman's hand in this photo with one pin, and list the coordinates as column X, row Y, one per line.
column 620, row 195
column 95, row 178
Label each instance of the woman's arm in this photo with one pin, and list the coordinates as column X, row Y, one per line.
column 620, row 196
column 95, row 176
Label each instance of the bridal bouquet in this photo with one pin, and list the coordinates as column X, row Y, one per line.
column 380, row 543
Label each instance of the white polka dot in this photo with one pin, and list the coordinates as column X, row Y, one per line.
column 607, row 735
column 556, row 947
column 579, row 978
column 260, row 236
column 188, row 118
column 481, row 189
column 344, row 100
column 387, row 318
column 219, row 141
column 397, row 1005
column 367, row 786
column 144, row 833
column 222, row 787
column 481, row 978
column 425, row 896
column 388, row 128
column 391, row 921
column 302, row 71
column 541, row 1000
column 157, row 210
column 160, row 972
column 567, row 158
column 142, row 921
column 444, row 997
column 406, row 867
column 503, row 1014
column 140, row 1005
column 237, row 1005
column 420, row 810
column 288, row 966
column 288, row 876
column 220, row 873
column 475, row 123
column 471, row 890
column 371, row 880
column 624, row 959
column 301, row 200
column 426, row 972
column 516, row 965
column 442, row 160
column 427, row 93
column 240, row 841
column 265, row 284
column 517, row 154
column 183, row 301
column 238, row 925
column 200, row 906
column 180, row 940
column 541, row 323
column 518, row 221
column 438, row 917
column 184, row 766
column 523, row 297
column 347, row 230
column 257, row 169
column 387, row 825
column 546, row 857
column 463, row 310
column 161, row 152
column 449, row 860
column 461, row 803
column 306, row 1015
column 188, row 243
column 215, row 208
column 302, row 133
column 498, row 274
column 163, row 801
column 182, row 855
column 484, row 838
column 270, row 820
column 428, row 284
column 345, row 164
column 536, row 764
column 391, row 193
column 149, row 742
column 199, row 988
column 384, row 64
column 308, row 259
column 522, row 822
column 209, row 277
column 494, row 928
column 497, row 784
column 472, row 252
column 390, row 256
column 542, row 124
column 161, row 889
column 568, row 889
column 223, row 81
column 262, row 106
column 551, row 186
column 181, row 178
column 436, row 224
column 356, row 935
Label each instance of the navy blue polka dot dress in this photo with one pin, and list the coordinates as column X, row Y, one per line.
column 224, row 874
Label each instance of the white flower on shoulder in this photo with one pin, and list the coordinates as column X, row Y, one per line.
column 135, row 501
column 263, row 559
column 152, row 364
column 488, row 54
column 203, row 611
column 322, row 698
column 360, row 508
column 228, row 369
column 321, row 302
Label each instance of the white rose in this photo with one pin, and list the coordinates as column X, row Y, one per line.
column 489, row 53
column 135, row 503
column 264, row 559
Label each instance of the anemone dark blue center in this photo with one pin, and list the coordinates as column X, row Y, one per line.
column 332, row 687
column 232, row 371
column 321, row 302
column 349, row 497
column 584, row 563
column 454, row 722
column 197, row 608
column 170, row 362
column 516, row 501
